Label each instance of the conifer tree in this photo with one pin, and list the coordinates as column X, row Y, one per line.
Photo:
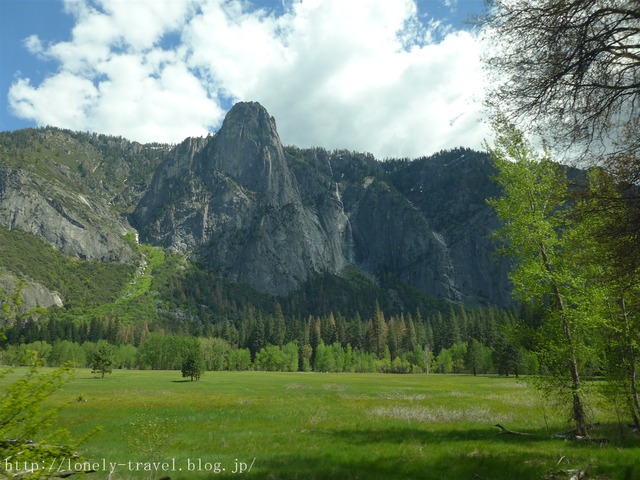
column 279, row 327
column 410, row 339
column 193, row 364
column 379, row 331
column 356, row 332
column 329, row 330
column 257, row 340
column 102, row 359
column 452, row 329
column 394, row 337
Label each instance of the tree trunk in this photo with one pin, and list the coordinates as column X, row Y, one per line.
column 633, row 384
column 579, row 415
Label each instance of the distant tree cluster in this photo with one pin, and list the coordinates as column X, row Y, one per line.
column 481, row 340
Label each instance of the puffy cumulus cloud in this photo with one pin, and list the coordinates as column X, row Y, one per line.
column 63, row 99
column 387, row 100
column 115, row 77
column 152, row 104
column 137, row 24
column 364, row 75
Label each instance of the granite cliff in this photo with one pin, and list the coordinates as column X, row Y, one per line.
column 273, row 217
column 233, row 202
column 257, row 212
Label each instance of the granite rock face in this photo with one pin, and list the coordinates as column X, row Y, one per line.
column 260, row 213
column 73, row 222
column 33, row 293
column 273, row 217
column 450, row 191
column 232, row 201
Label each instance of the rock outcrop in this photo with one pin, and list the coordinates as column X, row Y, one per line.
column 73, row 222
column 232, row 201
column 33, row 293
column 272, row 218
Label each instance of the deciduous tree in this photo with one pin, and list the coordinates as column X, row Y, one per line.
column 28, row 436
column 193, row 364
column 545, row 241
column 570, row 71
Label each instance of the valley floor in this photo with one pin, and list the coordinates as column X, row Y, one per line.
column 315, row 426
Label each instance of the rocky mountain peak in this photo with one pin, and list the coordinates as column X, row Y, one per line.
column 247, row 148
column 249, row 120
column 237, row 206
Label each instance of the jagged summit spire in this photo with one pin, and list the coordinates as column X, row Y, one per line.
column 247, row 148
column 250, row 120
column 243, row 107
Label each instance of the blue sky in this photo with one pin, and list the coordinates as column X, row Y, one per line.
column 392, row 77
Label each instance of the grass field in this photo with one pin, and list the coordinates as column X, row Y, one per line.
column 317, row 426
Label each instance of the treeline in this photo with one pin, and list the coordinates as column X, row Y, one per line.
column 482, row 340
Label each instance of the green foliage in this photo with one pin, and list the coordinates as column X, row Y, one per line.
column 215, row 353
column 86, row 162
column 239, row 359
column 193, row 365
column 350, row 342
column 102, row 359
column 458, row 356
column 79, row 282
column 273, row 358
column 64, row 351
column 165, row 352
column 550, row 248
column 606, row 216
column 444, row 361
column 324, row 360
column 10, row 306
column 150, row 436
column 30, row 445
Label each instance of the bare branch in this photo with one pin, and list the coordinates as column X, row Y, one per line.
column 569, row 70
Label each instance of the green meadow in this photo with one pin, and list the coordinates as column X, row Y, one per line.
column 153, row 424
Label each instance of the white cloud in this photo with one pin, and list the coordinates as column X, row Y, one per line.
column 152, row 104
column 63, row 100
column 142, row 23
column 33, row 44
column 364, row 74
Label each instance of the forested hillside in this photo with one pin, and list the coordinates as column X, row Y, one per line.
column 147, row 313
column 379, row 310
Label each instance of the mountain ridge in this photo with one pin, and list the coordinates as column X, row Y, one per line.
column 270, row 216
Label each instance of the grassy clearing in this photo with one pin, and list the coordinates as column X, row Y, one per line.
column 316, row 426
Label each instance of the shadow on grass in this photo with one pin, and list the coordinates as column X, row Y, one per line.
column 400, row 435
column 491, row 433
column 337, row 465
column 300, row 466
column 418, row 453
